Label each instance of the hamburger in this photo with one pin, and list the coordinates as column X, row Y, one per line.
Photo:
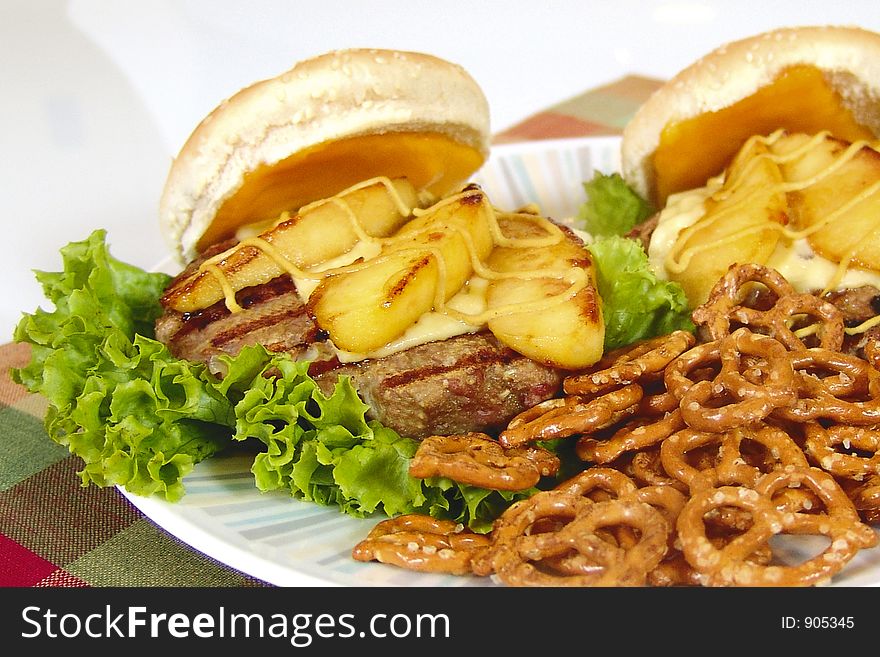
column 764, row 150
column 299, row 184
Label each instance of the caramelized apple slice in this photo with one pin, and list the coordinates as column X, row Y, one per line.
column 459, row 229
column 319, row 232
column 365, row 309
column 419, row 269
column 739, row 224
column 541, row 318
column 839, row 201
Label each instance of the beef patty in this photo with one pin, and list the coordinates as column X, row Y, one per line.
column 463, row 384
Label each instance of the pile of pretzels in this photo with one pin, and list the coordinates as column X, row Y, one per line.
column 698, row 449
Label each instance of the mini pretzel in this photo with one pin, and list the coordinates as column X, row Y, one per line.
column 841, row 374
column 839, row 511
column 727, row 306
column 667, row 500
column 865, row 496
column 576, row 417
column 871, row 349
column 422, row 543
column 600, row 484
column 478, row 460
column 848, row 393
column 729, row 294
column 777, row 322
column 673, row 457
column 633, row 436
column 657, row 401
column 729, row 566
column 556, row 405
column 646, row 358
column 585, row 484
column 706, row 471
column 778, row 451
column 700, row 363
column 744, row 390
column 543, row 512
column 828, row 447
column 674, row 570
column 516, row 555
column 647, row 470
column 728, row 462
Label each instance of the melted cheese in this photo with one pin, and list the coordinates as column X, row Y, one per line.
column 432, row 161
column 682, row 211
column 306, row 282
column 799, row 99
column 807, row 270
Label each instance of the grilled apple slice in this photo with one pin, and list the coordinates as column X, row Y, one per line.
column 365, row 309
column 840, row 199
column 420, row 268
column 539, row 319
column 740, row 224
column 317, row 233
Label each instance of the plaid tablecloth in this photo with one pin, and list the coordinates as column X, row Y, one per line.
column 54, row 532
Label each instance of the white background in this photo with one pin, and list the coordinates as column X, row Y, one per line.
column 97, row 96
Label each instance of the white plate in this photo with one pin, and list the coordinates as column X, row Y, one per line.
column 288, row 542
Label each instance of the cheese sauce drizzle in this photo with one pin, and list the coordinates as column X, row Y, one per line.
column 575, row 276
column 678, row 259
column 677, row 262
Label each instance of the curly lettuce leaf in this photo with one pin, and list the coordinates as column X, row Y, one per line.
column 635, row 303
column 322, row 448
column 136, row 415
column 612, row 207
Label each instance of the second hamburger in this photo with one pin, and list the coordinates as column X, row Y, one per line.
column 764, row 151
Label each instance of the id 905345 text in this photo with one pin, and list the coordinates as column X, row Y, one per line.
column 818, row 622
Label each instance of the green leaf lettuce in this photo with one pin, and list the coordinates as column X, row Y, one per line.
column 636, row 304
column 612, row 207
column 140, row 418
column 137, row 416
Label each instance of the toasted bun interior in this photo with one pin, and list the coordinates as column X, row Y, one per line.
column 804, row 79
column 324, row 125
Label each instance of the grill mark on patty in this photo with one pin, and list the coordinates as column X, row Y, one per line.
column 245, row 298
column 241, row 329
column 481, row 357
